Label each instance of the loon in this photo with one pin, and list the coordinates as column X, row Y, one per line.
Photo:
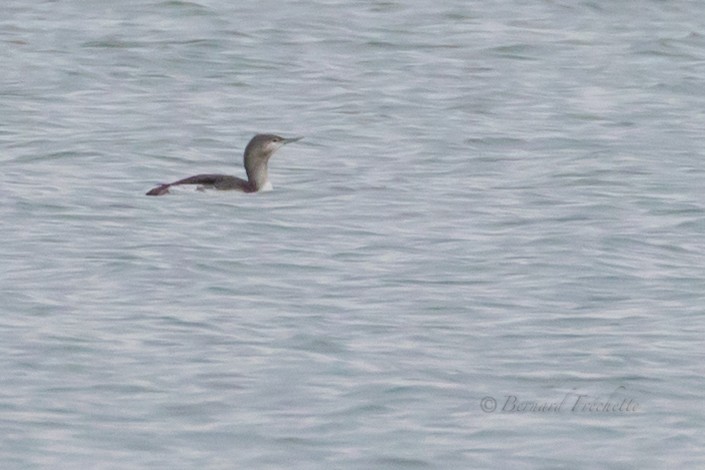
column 257, row 155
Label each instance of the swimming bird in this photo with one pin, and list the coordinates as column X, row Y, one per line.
column 256, row 160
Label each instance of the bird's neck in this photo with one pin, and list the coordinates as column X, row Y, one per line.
column 257, row 175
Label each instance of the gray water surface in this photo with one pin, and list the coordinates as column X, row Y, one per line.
column 494, row 203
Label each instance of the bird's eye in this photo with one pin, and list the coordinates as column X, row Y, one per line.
column 276, row 139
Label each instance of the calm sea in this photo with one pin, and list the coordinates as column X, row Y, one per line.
column 487, row 252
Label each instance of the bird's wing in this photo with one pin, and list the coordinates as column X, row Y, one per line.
column 209, row 180
column 225, row 182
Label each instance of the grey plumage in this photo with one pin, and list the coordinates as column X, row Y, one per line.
column 256, row 160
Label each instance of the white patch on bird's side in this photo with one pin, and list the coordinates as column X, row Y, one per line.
column 267, row 186
column 186, row 188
